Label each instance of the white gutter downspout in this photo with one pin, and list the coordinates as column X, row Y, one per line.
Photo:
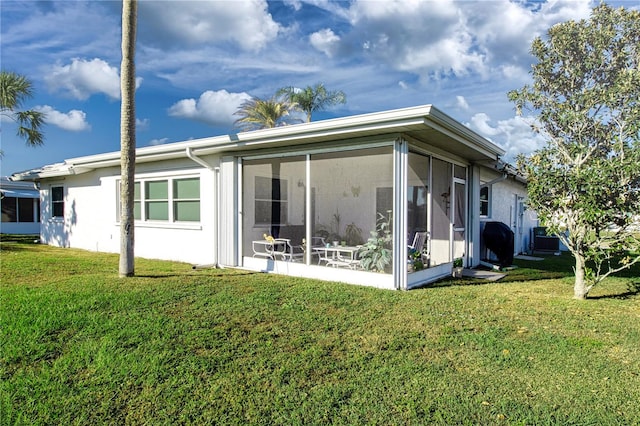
column 496, row 180
column 216, row 203
column 189, row 152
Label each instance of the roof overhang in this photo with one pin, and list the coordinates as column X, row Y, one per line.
column 19, row 193
column 423, row 123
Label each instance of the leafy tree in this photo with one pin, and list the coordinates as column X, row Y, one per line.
column 311, row 99
column 127, row 137
column 257, row 113
column 585, row 183
column 14, row 90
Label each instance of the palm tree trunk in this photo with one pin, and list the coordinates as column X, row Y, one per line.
column 127, row 137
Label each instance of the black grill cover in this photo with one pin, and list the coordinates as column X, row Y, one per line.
column 498, row 238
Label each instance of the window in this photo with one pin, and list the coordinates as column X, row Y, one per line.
column 137, row 203
column 156, row 200
column 57, row 201
column 186, row 200
column 484, row 200
column 25, row 210
column 167, row 200
column 9, row 209
column 271, row 202
column 15, row 209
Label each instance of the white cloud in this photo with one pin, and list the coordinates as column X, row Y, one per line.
column 325, row 41
column 442, row 38
column 432, row 36
column 83, row 78
column 142, row 124
column 504, row 29
column 182, row 23
column 461, row 103
column 215, row 108
column 73, row 121
column 514, row 135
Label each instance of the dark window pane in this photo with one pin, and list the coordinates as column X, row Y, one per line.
column 58, row 209
column 484, row 201
column 9, row 210
column 25, row 209
column 57, row 193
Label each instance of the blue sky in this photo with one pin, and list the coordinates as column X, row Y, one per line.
column 198, row 60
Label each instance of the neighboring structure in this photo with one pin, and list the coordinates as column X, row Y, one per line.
column 297, row 200
column 20, row 203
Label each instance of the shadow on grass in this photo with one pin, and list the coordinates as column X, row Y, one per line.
column 460, row 282
column 216, row 275
column 633, row 289
column 552, row 267
column 12, row 242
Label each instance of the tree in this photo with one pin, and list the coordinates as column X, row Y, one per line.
column 585, row 183
column 14, row 90
column 311, row 99
column 127, row 137
column 257, row 113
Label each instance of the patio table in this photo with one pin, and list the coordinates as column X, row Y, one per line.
column 337, row 256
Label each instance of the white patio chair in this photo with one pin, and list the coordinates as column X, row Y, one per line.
column 419, row 241
column 283, row 248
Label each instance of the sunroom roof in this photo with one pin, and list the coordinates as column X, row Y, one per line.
column 422, row 123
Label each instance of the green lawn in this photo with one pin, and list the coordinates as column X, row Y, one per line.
column 178, row 346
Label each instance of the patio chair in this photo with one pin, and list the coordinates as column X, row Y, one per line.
column 419, row 240
column 283, row 248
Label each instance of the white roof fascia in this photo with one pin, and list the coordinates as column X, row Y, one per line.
column 399, row 120
column 464, row 134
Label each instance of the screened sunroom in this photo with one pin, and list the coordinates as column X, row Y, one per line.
column 391, row 211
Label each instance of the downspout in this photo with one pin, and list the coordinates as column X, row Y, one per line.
column 216, row 185
column 216, row 219
column 496, row 180
column 189, row 152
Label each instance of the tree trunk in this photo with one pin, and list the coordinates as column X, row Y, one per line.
column 127, row 137
column 580, row 289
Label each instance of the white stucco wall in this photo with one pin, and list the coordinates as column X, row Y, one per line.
column 91, row 215
column 508, row 205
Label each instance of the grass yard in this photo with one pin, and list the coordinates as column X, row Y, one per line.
column 178, row 346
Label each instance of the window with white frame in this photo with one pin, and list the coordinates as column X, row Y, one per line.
column 186, row 200
column 167, row 200
column 271, row 201
column 485, row 200
column 57, row 201
column 156, row 200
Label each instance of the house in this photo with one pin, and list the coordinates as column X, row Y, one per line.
column 298, row 200
column 503, row 193
column 20, row 202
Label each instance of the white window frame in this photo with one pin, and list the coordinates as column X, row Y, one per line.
column 487, row 202
column 55, row 202
column 271, row 201
column 171, row 200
